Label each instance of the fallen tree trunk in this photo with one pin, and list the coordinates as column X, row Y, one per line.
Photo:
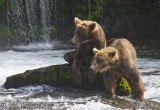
column 60, row 76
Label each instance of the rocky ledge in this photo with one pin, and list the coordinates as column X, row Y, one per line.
column 60, row 76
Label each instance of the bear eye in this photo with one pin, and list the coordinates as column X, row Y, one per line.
column 99, row 60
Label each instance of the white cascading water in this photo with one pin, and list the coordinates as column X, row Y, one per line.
column 23, row 20
column 45, row 19
column 31, row 20
column 16, row 19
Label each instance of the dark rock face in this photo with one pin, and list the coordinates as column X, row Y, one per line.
column 132, row 18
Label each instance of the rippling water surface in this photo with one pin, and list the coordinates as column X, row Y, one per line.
column 22, row 58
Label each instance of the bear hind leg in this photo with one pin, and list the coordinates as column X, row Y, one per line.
column 136, row 84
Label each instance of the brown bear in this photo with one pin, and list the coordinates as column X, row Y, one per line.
column 116, row 61
column 87, row 35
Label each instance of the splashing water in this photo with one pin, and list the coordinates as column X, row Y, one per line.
column 45, row 97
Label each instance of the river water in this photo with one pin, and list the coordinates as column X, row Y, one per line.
column 21, row 58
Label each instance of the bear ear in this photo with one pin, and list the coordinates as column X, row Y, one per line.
column 92, row 26
column 112, row 53
column 77, row 21
column 95, row 50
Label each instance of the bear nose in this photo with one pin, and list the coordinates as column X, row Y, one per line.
column 91, row 69
column 72, row 40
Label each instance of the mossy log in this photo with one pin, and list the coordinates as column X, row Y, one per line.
column 60, row 76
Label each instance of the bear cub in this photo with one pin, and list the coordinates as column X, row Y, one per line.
column 116, row 61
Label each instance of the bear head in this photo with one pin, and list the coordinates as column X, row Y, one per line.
column 83, row 31
column 104, row 59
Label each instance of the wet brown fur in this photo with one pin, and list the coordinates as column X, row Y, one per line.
column 120, row 63
column 87, row 35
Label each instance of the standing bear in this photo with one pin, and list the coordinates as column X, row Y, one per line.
column 116, row 61
column 87, row 35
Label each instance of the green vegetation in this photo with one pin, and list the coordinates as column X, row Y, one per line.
column 123, row 88
column 5, row 35
column 2, row 2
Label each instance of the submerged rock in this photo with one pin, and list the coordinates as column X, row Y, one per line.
column 116, row 104
column 60, row 76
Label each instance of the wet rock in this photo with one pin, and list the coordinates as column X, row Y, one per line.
column 60, row 76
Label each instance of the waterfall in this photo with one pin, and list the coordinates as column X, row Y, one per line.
column 16, row 19
column 29, row 21
column 55, row 10
column 45, row 20
column 36, row 21
column 89, row 8
column 102, row 10
column 63, row 11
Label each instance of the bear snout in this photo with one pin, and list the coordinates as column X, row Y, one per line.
column 92, row 74
column 91, row 69
column 75, row 41
column 72, row 40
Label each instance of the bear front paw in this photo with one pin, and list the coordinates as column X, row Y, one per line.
column 138, row 98
column 110, row 95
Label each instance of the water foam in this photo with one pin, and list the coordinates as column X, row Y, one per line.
column 35, row 46
column 92, row 105
column 87, row 103
column 151, row 81
column 24, row 92
column 13, row 62
column 35, row 95
column 42, row 46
